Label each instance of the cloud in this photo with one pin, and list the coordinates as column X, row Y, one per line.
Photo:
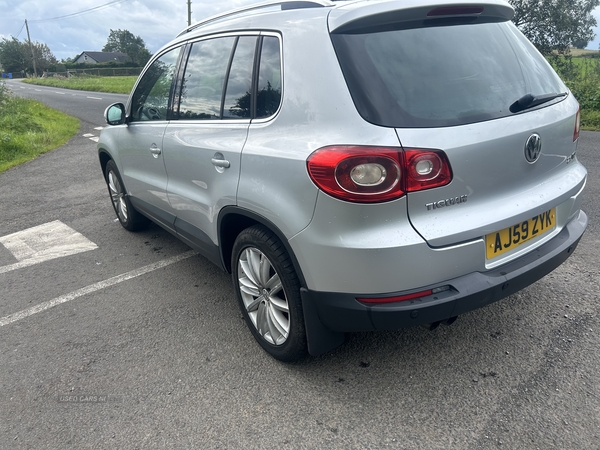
column 155, row 21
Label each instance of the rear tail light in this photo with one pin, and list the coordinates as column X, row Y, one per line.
column 377, row 174
column 577, row 125
column 426, row 169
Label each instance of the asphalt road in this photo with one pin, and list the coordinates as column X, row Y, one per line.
column 160, row 357
column 86, row 106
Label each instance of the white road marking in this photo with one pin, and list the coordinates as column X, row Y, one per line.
column 43, row 243
column 99, row 128
column 88, row 135
column 93, row 288
column 95, row 139
column 95, row 98
column 61, row 93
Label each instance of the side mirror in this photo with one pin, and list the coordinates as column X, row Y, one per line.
column 115, row 114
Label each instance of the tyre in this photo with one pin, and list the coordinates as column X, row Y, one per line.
column 268, row 293
column 126, row 213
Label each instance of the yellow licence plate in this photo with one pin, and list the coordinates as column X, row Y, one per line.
column 505, row 240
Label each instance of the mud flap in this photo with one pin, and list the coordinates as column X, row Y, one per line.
column 320, row 339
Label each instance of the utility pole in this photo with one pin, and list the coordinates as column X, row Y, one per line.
column 31, row 49
column 189, row 13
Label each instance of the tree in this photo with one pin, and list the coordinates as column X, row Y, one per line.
column 13, row 55
column 554, row 25
column 43, row 56
column 125, row 42
column 580, row 43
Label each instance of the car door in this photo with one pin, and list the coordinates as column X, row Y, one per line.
column 203, row 147
column 141, row 155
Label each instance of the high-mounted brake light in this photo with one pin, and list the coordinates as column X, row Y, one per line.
column 577, row 125
column 363, row 174
column 455, row 11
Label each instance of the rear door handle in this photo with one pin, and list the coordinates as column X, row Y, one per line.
column 219, row 161
column 155, row 150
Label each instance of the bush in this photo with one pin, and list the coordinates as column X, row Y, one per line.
column 582, row 77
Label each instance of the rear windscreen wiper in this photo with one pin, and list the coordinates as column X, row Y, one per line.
column 529, row 101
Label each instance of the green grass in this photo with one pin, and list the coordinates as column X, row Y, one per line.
column 29, row 129
column 117, row 85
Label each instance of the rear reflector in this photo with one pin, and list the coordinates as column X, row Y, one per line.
column 399, row 298
column 455, row 11
column 403, row 298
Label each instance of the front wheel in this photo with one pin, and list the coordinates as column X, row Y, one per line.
column 268, row 293
column 126, row 213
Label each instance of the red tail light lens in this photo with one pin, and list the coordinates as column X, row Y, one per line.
column 577, row 125
column 399, row 298
column 426, row 169
column 358, row 174
column 376, row 174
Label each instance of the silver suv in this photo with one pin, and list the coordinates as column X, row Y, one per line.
column 363, row 165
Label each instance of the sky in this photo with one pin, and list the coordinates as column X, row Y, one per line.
column 155, row 21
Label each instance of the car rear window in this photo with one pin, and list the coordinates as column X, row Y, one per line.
column 442, row 76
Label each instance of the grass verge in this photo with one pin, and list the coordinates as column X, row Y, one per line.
column 29, row 129
column 117, row 85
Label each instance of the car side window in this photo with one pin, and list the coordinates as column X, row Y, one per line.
column 150, row 100
column 269, row 78
column 238, row 99
column 204, row 79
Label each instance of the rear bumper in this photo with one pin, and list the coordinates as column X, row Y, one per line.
column 327, row 314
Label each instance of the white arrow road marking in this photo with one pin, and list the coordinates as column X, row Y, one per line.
column 42, row 243
column 91, row 137
column 93, row 288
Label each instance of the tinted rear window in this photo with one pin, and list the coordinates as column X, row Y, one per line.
column 442, row 76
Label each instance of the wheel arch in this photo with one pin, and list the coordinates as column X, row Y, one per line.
column 233, row 220
column 104, row 158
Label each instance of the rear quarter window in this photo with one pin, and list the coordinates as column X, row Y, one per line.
column 269, row 78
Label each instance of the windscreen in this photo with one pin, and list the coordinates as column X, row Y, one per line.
column 443, row 75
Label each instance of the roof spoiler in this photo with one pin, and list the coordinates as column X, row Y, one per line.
column 363, row 15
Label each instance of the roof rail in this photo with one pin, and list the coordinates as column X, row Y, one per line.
column 285, row 4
